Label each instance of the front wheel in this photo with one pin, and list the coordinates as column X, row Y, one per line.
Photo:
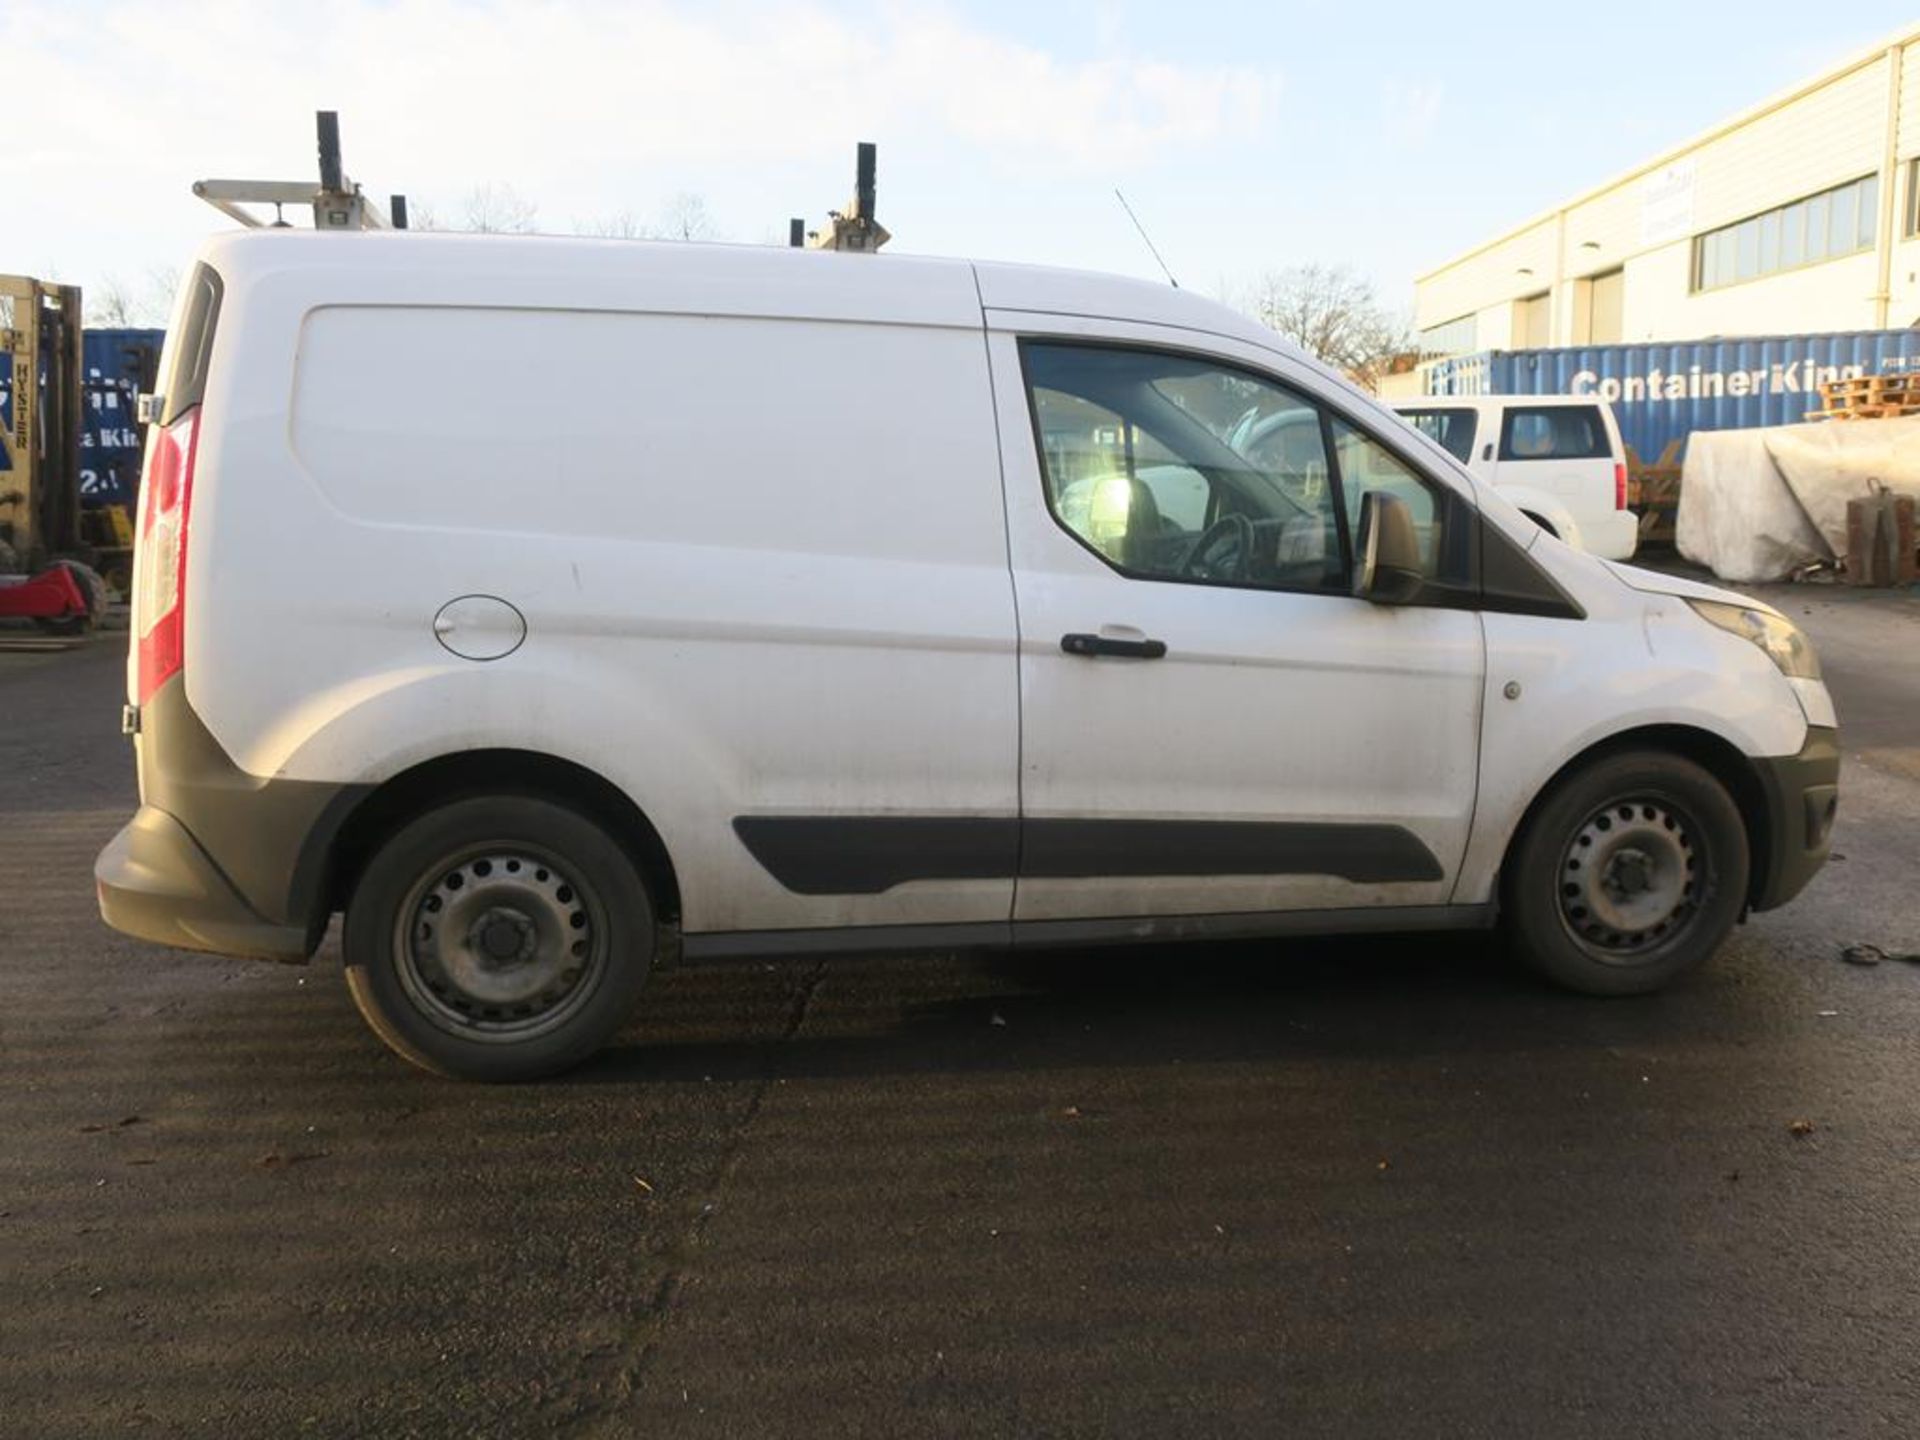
column 1629, row 875
column 499, row 938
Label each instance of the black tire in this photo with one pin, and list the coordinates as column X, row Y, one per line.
column 548, row 939
column 1670, row 882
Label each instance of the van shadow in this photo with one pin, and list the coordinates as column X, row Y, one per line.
column 1137, row 1007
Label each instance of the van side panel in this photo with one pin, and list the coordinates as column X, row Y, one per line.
column 762, row 565
column 1637, row 660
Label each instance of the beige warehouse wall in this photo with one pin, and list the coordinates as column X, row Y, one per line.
column 1604, row 232
column 1834, row 133
column 1837, row 295
column 1496, row 326
column 1488, row 278
column 1909, row 137
column 1903, row 306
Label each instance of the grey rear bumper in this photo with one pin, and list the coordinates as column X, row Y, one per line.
column 218, row 859
column 156, row 883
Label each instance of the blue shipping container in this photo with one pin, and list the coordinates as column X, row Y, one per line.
column 1664, row 392
column 114, row 361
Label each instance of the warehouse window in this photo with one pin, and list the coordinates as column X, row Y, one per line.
column 1836, row 222
column 1913, row 196
column 1454, row 337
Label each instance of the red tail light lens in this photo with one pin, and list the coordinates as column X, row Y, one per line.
column 160, row 556
column 1619, row 485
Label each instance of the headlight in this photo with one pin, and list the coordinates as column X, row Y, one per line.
column 1783, row 641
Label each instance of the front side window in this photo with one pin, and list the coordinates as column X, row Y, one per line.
column 1365, row 464
column 1452, row 430
column 1554, row 432
column 1174, row 467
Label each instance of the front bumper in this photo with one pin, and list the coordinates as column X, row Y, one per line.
column 1802, row 795
column 156, row 883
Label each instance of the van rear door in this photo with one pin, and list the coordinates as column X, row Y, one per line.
column 1565, row 450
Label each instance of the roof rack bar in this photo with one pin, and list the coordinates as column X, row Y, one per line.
column 336, row 201
column 328, row 124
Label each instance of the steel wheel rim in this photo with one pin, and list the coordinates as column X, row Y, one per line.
column 1632, row 878
column 501, row 943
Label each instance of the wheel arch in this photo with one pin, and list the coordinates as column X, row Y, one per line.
column 1712, row 753
column 1542, row 521
column 400, row 798
column 1545, row 509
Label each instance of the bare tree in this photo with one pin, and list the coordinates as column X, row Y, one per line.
column 110, row 305
column 115, row 305
column 492, row 209
column 156, row 300
column 685, row 217
column 1332, row 314
column 620, row 225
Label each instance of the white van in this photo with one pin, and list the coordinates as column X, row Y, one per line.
column 560, row 608
column 1558, row 458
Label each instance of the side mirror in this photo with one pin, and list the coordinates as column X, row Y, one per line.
column 1387, row 551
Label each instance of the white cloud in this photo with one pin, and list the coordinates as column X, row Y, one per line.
column 572, row 101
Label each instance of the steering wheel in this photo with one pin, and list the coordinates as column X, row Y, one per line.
column 1212, row 558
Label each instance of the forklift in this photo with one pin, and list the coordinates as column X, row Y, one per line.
column 47, row 572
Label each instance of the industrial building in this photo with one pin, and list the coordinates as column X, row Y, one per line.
column 1799, row 215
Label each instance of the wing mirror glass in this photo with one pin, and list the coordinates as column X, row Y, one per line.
column 1387, row 551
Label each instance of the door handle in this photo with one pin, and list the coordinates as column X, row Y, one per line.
column 1094, row 645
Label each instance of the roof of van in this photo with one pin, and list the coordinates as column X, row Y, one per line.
column 706, row 278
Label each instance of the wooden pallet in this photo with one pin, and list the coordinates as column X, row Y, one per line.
column 1868, row 397
column 1870, row 385
column 1654, row 493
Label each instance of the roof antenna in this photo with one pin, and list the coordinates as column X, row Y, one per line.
column 1144, row 236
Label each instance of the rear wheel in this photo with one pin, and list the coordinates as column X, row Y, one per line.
column 499, row 938
column 1630, row 874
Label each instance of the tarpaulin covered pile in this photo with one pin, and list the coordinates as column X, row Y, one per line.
column 1760, row 504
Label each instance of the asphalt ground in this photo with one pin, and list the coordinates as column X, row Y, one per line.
column 1357, row 1188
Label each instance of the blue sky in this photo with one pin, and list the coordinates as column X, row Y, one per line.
column 1247, row 136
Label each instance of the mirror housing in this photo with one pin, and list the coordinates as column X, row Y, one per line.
column 1386, row 551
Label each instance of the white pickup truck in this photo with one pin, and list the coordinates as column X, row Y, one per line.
column 1557, row 457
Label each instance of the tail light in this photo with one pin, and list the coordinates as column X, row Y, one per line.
column 160, row 559
column 1619, row 485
